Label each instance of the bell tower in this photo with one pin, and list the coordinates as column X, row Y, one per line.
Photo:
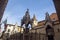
column 34, row 21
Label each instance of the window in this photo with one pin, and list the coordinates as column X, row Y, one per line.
column 8, row 30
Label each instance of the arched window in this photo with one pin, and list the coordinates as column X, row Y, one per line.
column 8, row 30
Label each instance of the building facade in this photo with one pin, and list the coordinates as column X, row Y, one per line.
column 40, row 29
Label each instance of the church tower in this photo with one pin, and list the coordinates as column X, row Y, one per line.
column 34, row 21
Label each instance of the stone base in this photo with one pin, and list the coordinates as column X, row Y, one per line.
column 26, row 30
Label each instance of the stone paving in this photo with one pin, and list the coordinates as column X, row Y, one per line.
column 0, row 39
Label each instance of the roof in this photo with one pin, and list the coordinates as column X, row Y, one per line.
column 53, row 16
column 40, row 23
column 12, row 25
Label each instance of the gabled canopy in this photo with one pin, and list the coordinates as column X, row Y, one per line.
column 47, row 18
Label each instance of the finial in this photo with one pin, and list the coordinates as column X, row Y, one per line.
column 27, row 10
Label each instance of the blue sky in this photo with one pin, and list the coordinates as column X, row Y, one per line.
column 16, row 9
